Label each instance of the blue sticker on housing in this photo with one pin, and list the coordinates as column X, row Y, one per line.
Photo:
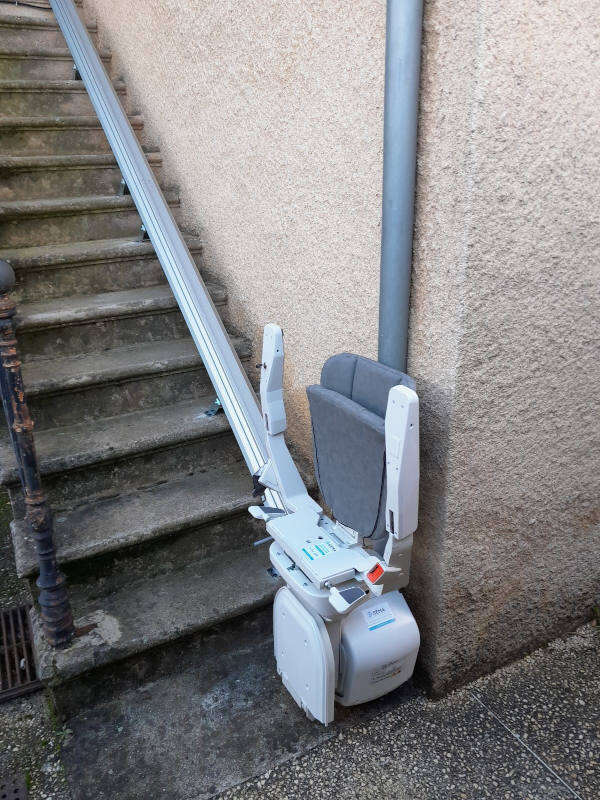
column 378, row 616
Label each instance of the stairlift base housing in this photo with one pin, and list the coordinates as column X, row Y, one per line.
column 342, row 630
column 377, row 647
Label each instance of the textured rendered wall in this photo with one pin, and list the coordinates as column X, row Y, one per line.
column 269, row 117
column 504, row 335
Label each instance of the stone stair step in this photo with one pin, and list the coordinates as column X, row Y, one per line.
column 141, row 517
column 111, row 438
column 37, row 63
column 111, row 455
column 66, row 374
column 149, row 494
column 157, row 611
column 33, row 177
column 94, row 323
column 46, row 4
column 28, row 97
column 21, row 26
column 26, row 223
column 50, row 134
column 102, row 265
column 77, row 308
column 66, row 390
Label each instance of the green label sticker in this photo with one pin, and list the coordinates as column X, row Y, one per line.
column 323, row 547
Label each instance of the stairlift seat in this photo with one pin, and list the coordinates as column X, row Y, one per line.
column 348, row 423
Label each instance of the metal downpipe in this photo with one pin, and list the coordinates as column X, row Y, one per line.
column 401, row 105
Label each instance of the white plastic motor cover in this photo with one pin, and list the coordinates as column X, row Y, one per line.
column 304, row 656
column 380, row 640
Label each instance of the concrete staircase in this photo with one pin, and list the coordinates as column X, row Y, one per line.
column 150, row 495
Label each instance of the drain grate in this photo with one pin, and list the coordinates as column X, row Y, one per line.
column 13, row 787
column 17, row 667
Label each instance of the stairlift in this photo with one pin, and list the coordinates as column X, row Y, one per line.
column 342, row 630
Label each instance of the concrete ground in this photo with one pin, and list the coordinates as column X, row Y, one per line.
column 212, row 720
column 531, row 730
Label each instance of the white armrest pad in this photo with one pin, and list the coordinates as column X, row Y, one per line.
column 402, row 461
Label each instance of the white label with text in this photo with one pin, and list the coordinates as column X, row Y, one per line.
column 378, row 616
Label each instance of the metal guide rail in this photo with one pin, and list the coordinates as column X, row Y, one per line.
column 220, row 359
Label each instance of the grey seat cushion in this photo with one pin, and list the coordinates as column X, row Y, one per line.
column 348, row 422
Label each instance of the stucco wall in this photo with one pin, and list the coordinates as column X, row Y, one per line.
column 504, row 334
column 269, row 117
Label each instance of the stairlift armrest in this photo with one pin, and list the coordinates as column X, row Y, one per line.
column 279, row 473
column 402, row 462
column 271, row 381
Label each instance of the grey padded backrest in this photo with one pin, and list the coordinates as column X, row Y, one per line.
column 348, row 422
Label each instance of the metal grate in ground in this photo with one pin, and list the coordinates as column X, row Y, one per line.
column 13, row 787
column 17, row 667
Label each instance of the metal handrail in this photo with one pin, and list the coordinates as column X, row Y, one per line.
column 56, row 615
column 224, row 368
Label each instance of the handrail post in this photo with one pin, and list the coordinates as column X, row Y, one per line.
column 57, row 619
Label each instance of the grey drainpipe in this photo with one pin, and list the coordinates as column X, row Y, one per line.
column 402, row 67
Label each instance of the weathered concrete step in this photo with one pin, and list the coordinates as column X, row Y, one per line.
column 51, row 134
column 142, row 517
column 25, row 98
column 82, row 308
column 26, row 223
column 48, row 376
column 37, row 63
column 33, row 4
column 62, row 391
column 39, row 177
column 102, row 265
column 92, row 323
column 21, row 27
column 111, row 455
column 158, row 611
column 45, row 3
column 108, row 439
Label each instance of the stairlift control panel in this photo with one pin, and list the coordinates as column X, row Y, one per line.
column 310, row 542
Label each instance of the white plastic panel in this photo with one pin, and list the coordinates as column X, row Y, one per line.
column 402, row 461
column 304, row 656
column 310, row 541
column 380, row 641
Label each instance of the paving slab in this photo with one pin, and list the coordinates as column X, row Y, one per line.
column 220, row 723
column 551, row 701
column 422, row 750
